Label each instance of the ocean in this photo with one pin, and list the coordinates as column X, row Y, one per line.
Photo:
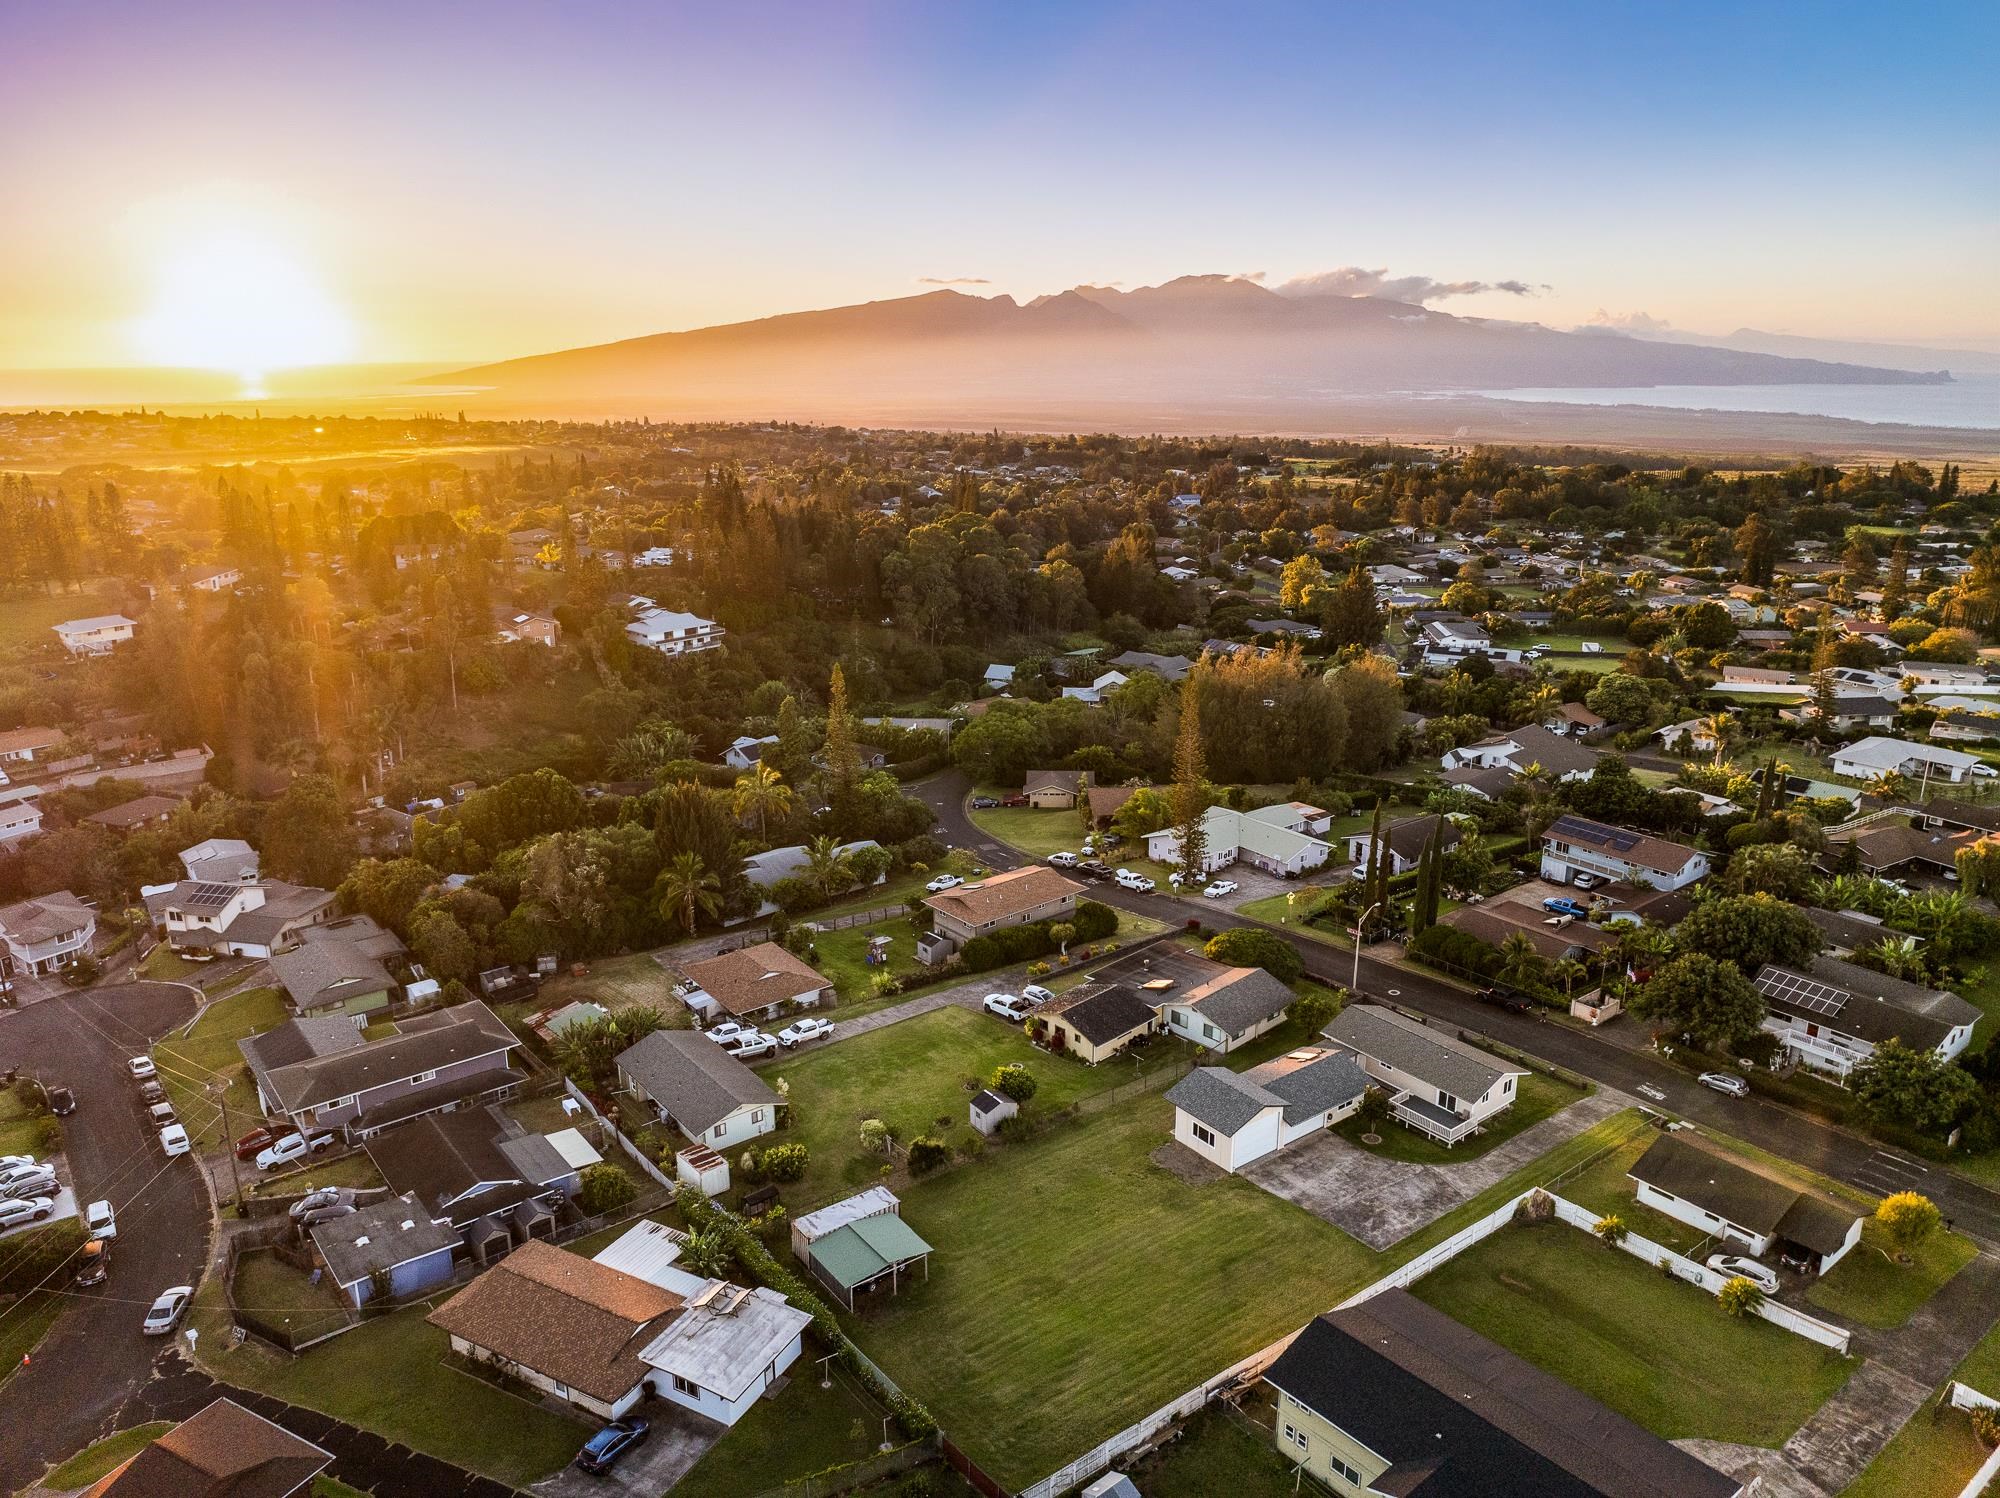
column 1970, row 401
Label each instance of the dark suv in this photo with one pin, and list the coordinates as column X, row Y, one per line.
column 1506, row 998
column 602, row 1451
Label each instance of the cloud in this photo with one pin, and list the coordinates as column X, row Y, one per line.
column 953, row 281
column 1356, row 280
column 1629, row 322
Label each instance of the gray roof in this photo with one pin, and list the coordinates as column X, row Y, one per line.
column 1169, row 667
column 45, row 917
column 459, row 1164
column 381, row 1235
column 447, row 1037
column 297, row 1040
column 697, row 1082
column 1418, row 1049
column 1318, row 1086
column 1102, row 1012
column 1865, row 1003
column 1850, row 928
column 329, row 972
column 1226, row 1100
column 1239, row 999
column 362, row 931
column 1222, row 1099
column 765, row 869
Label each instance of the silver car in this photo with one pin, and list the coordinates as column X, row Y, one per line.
column 1738, row 1267
column 1727, row 1083
column 29, row 1180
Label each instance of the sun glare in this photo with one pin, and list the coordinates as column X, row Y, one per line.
column 240, row 303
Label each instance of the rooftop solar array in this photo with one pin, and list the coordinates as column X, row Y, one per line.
column 1797, row 992
column 211, row 896
column 1594, row 834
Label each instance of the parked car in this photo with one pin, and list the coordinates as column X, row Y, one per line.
column 62, row 1101
column 1129, row 880
column 1585, row 881
column 323, row 1196
column 16, row 1210
column 152, row 1092
column 944, row 882
column 29, row 1180
column 1724, row 1082
column 1014, row 801
column 727, row 1031
column 8, row 1162
column 1063, row 860
column 140, row 1066
column 100, row 1221
column 1506, row 998
column 1090, row 868
column 292, row 1147
column 985, row 803
column 261, row 1138
column 602, row 1451
column 1034, row 993
column 161, row 1114
column 1220, row 888
column 1008, row 1006
column 166, row 1312
column 93, row 1263
column 174, row 1140
column 1735, row 1265
column 801, row 1030
column 750, row 1044
column 1564, row 905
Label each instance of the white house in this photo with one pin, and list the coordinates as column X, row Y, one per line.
column 1269, row 838
column 1515, row 751
column 1831, row 1015
column 1865, row 759
column 215, row 579
column 1437, row 1084
column 1690, row 735
column 1227, row 1008
column 1233, row 1119
column 999, row 677
column 94, row 636
column 1099, row 689
column 747, row 751
column 701, row 1089
column 20, row 812
column 1576, row 846
column 673, row 632
column 220, row 860
column 236, row 919
column 23, row 746
column 1404, row 839
column 1736, row 1204
column 42, row 935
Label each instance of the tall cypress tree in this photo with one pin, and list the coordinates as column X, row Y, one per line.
column 1190, row 792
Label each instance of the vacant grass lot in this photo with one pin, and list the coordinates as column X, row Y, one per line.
column 192, row 1067
column 28, row 617
column 1540, row 1097
column 1035, row 833
column 617, row 983
column 1657, row 1350
column 805, row 1429
column 97, row 1459
column 276, row 1293
column 1870, row 1287
column 1935, row 1458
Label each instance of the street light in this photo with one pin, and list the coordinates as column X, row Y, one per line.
column 1360, row 926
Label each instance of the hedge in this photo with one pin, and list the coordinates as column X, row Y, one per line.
column 1091, row 921
column 33, row 1257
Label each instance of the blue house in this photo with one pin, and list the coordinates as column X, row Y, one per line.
column 395, row 1237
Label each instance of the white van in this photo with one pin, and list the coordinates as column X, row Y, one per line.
column 174, row 1139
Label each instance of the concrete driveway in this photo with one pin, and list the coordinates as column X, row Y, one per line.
column 679, row 1438
column 65, row 1207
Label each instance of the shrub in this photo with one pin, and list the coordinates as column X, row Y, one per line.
column 927, row 1154
column 1610, row 1229
column 1739, row 1297
column 1986, row 1426
column 875, row 1135
column 1093, row 921
column 34, row 1256
column 49, row 1136
column 783, row 1162
column 1248, row 947
column 980, row 954
column 1014, row 1080
column 1908, row 1217
column 603, row 1188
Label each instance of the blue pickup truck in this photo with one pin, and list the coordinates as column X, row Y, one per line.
column 1564, row 905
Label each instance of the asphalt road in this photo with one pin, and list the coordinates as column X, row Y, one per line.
column 1785, row 1132
column 95, row 1359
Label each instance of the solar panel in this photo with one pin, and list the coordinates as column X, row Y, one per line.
column 1796, row 991
column 211, row 896
column 1594, row 834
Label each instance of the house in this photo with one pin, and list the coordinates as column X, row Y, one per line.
column 1690, row 735
column 1404, row 841
column 1437, row 1084
column 1388, row 1395
column 1867, row 759
column 728, row 1344
column 333, row 977
column 765, row 869
column 989, row 1109
column 24, row 746
column 1172, row 668
column 1270, row 838
column 1095, row 1021
column 20, row 813
column 1292, row 628
column 214, row 579
column 1728, row 1200
column 1554, row 937
column 1573, row 720
column 236, row 920
column 1390, row 575
column 1884, row 846
column 535, row 629
column 1847, row 931
column 1452, row 639
column 1233, row 1119
column 1830, row 1015
column 1106, row 801
column 222, row 1451
column 1488, row 783
column 1057, row 790
column 563, row 1324
column 855, row 1245
column 759, row 982
column 999, row 677
column 1099, row 689
column 702, row 1090
column 1520, row 749
column 140, row 811
column 1961, row 726
column 1962, row 816
column 1576, row 845
column 98, row 635
column 1846, row 714
column 497, row 1184
column 220, row 860
column 1034, row 893
column 395, row 1241
column 747, row 751
column 1227, row 1008
column 1757, row 676
column 45, row 934
column 318, row 1073
column 672, row 632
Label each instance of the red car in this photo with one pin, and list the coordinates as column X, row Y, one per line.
column 260, row 1139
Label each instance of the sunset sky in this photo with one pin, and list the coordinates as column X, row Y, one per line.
column 257, row 185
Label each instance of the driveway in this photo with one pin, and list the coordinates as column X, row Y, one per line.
column 64, row 1201
column 1382, row 1201
column 679, row 1438
column 94, row 1359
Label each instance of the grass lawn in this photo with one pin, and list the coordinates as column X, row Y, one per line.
column 1035, row 833
column 28, row 1321
column 1216, row 1454
column 1935, row 1457
column 1981, row 989
column 332, row 1487
column 390, row 1376
column 97, row 1459
column 910, row 1075
column 349, row 1170
column 164, row 965
column 191, row 1065
column 1656, row 1350
column 1540, row 1097
column 1605, row 1190
column 805, row 1429
column 274, row 1292
column 616, row 983
column 20, row 1130
column 842, row 956
column 1870, row 1287
column 28, row 618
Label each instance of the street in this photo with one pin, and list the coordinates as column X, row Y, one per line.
column 95, row 1358
column 1785, row 1132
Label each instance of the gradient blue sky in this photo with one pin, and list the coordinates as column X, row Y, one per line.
column 472, row 180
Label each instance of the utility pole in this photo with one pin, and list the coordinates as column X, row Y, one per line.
column 229, row 1147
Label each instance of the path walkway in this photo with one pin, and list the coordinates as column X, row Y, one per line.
column 1382, row 1201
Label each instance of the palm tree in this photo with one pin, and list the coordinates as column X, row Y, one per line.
column 828, row 870
column 1940, row 915
column 687, row 887
column 1721, row 728
column 1569, row 970
column 761, row 792
column 1521, row 966
column 708, row 1252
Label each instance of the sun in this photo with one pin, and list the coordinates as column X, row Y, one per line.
column 237, row 301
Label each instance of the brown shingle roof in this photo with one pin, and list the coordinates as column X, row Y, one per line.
column 225, row 1451
column 564, row 1316
column 1010, row 894
column 755, row 978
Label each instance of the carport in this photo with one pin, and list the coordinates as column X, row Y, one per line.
column 859, row 1256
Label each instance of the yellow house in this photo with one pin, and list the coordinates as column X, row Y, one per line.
column 1095, row 1021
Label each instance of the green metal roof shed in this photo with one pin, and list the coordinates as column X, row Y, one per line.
column 852, row 1258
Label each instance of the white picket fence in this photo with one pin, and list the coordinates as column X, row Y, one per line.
column 1965, row 1397
column 637, row 1155
column 1451, row 1248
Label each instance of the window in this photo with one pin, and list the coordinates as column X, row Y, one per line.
column 1296, row 1437
column 1202, row 1132
column 1508, row 1085
column 1344, row 1470
column 422, row 1077
column 721, row 1129
column 687, row 1387
column 1209, row 1032
column 756, row 1115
